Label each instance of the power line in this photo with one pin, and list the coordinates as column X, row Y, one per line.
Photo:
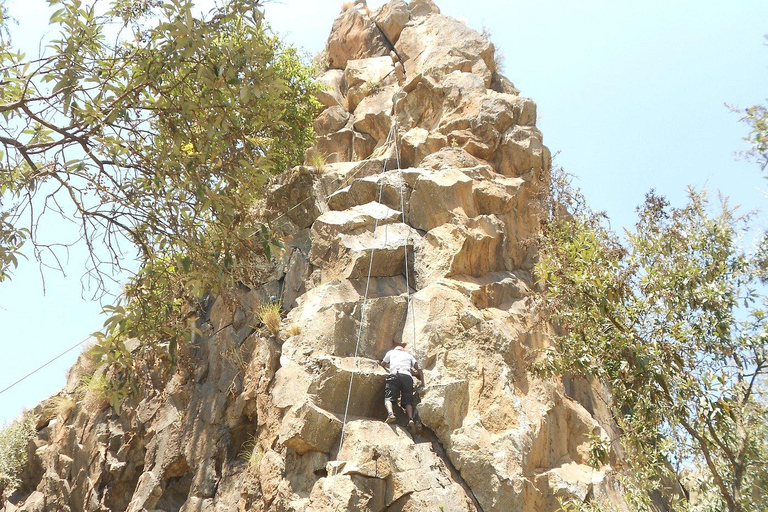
column 70, row 349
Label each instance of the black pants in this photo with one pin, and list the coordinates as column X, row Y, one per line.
column 399, row 385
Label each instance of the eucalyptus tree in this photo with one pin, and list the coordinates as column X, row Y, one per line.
column 672, row 318
column 150, row 131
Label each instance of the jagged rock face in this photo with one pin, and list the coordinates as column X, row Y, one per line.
column 417, row 230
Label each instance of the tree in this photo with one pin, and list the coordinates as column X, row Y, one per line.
column 672, row 319
column 149, row 126
column 152, row 132
column 756, row 117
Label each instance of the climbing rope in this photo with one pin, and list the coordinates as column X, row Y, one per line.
column 409, row 303
column 391, row 139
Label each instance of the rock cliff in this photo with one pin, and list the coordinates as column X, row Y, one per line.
column 415, row 225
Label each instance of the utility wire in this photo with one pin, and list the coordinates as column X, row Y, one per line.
column 70, row 349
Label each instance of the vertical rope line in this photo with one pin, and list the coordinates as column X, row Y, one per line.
column 409, row 300
column 362, row 318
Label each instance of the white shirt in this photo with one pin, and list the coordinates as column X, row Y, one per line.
column 399, row 361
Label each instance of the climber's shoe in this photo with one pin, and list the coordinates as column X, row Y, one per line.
column 412, row 426
column 390, row 418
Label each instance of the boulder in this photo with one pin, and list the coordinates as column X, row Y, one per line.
column 331, row 120
column 332, row 88
column 308, row 428
column 425, row 240
column 365, row 77
column 422, row 48
column 373, row 114
column 391, row 18
column 353, row 36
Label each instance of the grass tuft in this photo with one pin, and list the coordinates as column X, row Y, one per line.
column 317, row 160
column 60, row 405
column 252, row 453
column 269, row 316
column 94, row 392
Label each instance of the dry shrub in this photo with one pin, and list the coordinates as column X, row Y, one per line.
column 294, row 330
column 269, row 316
column 60, row 405
column 94, row 392
column 317, row 160
column 86, row 363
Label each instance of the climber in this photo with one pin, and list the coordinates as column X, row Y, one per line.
column 400, row 381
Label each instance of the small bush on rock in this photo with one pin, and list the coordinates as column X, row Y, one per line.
column 14, row 438
column 269, row 316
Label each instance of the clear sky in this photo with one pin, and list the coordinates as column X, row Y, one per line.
column 631, row 96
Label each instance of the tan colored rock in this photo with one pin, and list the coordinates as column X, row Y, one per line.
column 422, row 8
column 365, row 77
column 495, row 438
column 391, row 19
column 450, row 158
column 500, row 83
column 422, row 46
column 417, row 143
column 412, row 472
column 382, row 325
column 391, row 188
column 520, row 151
column 354, row 36
column 331, row 120
column 296, row 277
column 363, row 146
column 332, row 88
column 331, row 386
column 293, row 194
column 342, row 174
column 379, row 254
column 373, row 114
column 336, row 146
column 438, row 197
column 331, row 312
column 307, row 428
column 498, row 196
column 290, row 386
column 327, row 230
column 422, row 105
column 349, row 492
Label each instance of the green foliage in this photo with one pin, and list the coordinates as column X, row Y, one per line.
column 252, row 453
column 162, row 138
column 14, row 439
column 598, row 451
column 11, row 241
column 757, row 118
column 157, row 137
column 673, row 320
column 317, row 160
column 94, row 392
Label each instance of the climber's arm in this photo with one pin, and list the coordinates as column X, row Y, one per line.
column 385, row 362
column 419, row 374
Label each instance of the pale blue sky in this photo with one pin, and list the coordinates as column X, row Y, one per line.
column 631, row 94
